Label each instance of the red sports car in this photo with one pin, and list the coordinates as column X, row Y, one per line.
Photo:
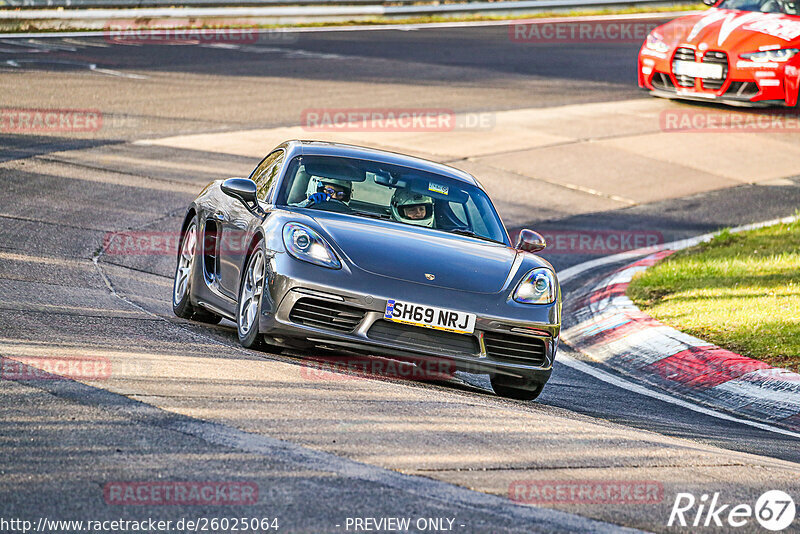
column 742, row 52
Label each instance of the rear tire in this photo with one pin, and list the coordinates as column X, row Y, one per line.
column 182, row 283
column 248, row 305
column 516, row 388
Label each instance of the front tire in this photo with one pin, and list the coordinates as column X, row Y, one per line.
column 182, row 283
column 248, row 306
column 524, row 389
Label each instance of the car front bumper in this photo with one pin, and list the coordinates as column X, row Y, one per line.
column 500, row 322
column 746, row 83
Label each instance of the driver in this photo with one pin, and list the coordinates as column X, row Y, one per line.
column 412, row 208
column 328, row 189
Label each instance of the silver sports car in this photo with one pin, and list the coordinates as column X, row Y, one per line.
column 371, row 252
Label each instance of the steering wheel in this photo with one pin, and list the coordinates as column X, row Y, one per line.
column 336, row 205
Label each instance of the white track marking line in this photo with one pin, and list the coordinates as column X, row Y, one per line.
column 587, row 368
column 614, row 380
column 86, row 43
column 17, row 63
column 111, row 72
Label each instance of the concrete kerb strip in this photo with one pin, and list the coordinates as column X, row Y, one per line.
column 611, row 330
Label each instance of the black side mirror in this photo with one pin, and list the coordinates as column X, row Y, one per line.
column 709, row 2
column 244, row 190
column 530, row 241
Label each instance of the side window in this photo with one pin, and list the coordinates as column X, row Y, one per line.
column 265, row 174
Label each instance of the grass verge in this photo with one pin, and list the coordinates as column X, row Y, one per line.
column 538, row 15
column 32, row 26
column 739, row 291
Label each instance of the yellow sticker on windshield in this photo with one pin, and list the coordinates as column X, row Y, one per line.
column 438, row 188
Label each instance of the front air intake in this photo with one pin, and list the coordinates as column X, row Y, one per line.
column 326, row 315
column 515, row 349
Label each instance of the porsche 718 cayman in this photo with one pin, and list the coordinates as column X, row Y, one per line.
column 374, row 252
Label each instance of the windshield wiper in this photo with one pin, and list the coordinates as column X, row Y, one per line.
column 470, row 233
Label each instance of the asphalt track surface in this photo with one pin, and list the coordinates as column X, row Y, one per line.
column 189, row 404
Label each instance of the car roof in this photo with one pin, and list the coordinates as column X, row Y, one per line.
column 324, row 148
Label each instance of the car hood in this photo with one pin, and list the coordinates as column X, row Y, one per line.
column 732, row 30
column 408, row 253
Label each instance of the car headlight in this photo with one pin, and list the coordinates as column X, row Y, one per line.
column 538, row 287
column 780, row 55
column 306, row 245
column 656, row 43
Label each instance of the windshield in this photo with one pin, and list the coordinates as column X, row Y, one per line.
column 399, row 194
column 762, row 6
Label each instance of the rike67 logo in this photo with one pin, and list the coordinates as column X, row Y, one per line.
column 774, row 510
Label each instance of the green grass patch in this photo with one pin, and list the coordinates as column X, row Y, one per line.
column 536, row 15
column 740, row 291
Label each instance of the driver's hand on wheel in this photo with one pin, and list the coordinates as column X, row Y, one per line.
column 316, row 198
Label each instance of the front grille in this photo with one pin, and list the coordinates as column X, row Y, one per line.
column 514, row 349
column 663, row 81
column 423, row 338
column 326, row 314
column 742, row 90
column 712, row 56
column 683, row 54
column 722, row 59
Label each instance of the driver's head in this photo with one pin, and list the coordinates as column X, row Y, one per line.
column 415, row 213
column 412, row 208
column 336, row 189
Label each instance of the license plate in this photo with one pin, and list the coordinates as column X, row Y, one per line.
column 697, row 70
column 430, row 317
